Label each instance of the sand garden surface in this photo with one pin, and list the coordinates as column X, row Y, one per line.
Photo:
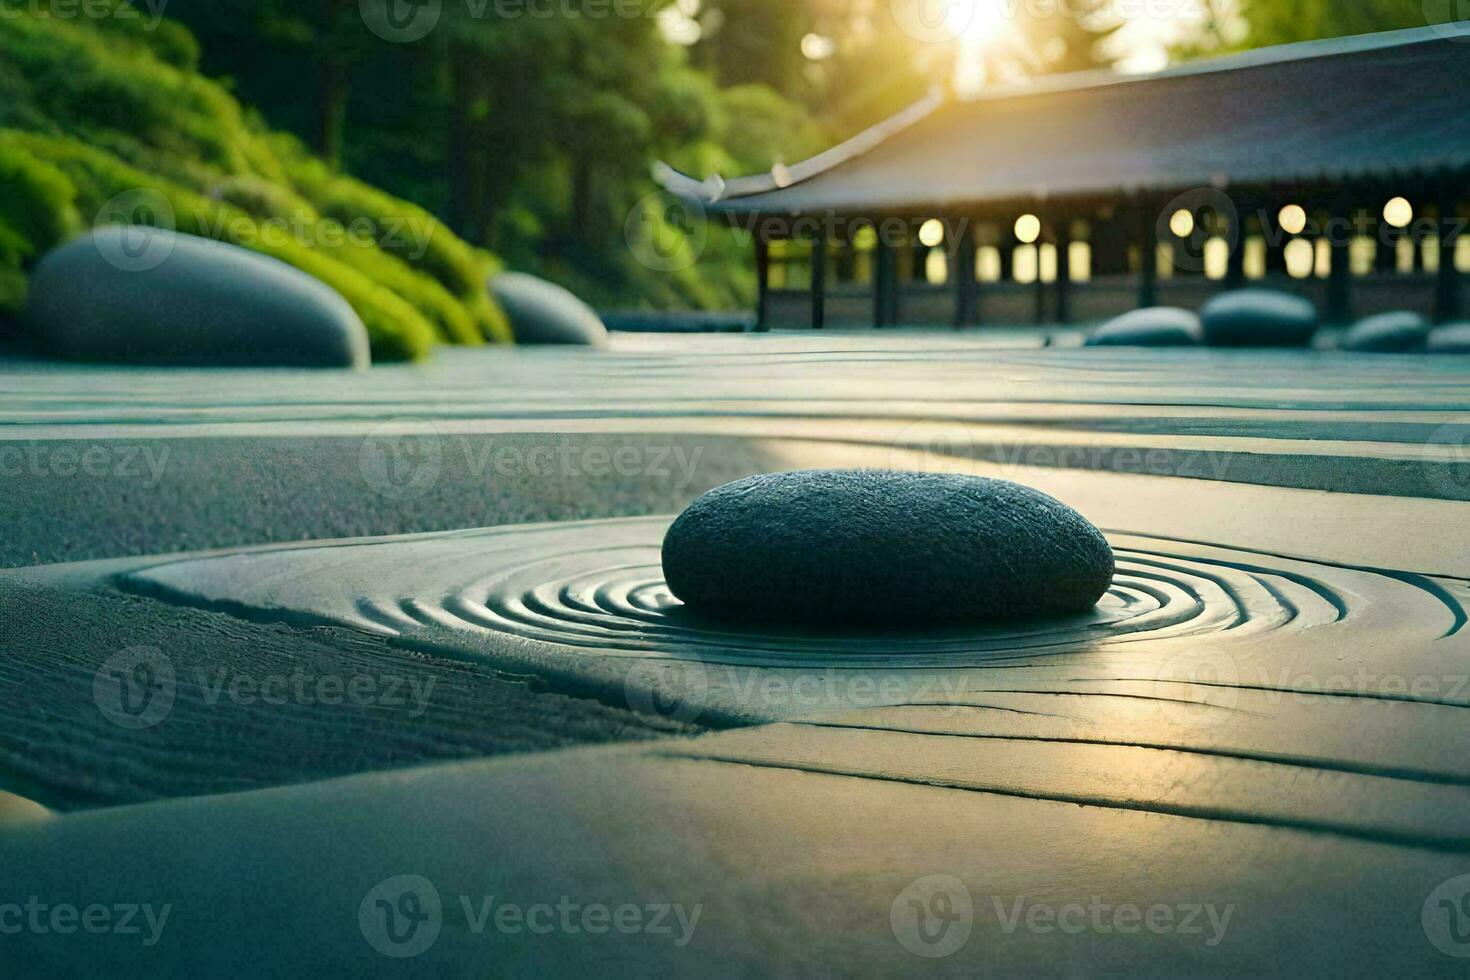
column 1260, row 729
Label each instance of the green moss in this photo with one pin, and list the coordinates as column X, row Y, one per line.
column 93, row 108
column 37, row 208
column 396, row 328
column 405, row 230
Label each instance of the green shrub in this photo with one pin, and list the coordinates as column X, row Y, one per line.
column 405, row 230
column 37, row 208
column 92, row 108
column 396, row 328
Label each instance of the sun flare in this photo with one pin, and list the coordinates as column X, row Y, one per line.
column 977, row 20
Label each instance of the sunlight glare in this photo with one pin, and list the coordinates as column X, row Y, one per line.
column 977, row 20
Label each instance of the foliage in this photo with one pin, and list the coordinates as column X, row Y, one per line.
column 95, row 107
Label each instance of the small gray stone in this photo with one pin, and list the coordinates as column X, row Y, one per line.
column 1452, row 338
column 1258, row 318
column 542, row 312
column 146, row 295
column 877, row 547
column 1401, row 332
column 1154, row 326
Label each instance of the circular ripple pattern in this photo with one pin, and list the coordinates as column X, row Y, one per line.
column 615, row 600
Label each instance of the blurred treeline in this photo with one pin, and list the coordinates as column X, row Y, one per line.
column 528, row 127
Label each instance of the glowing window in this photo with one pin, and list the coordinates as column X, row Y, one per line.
column 1324, row 258
column 1181, row 223
column 932, row 232
column 1301, row 258
column 1079, row 257
column 1023, row 264
column 1255, row 258
column 1363, row 252
column 1166, row 261
column 987, row 264
column 936, row 268
column 1403, row 254
column 1217, row 258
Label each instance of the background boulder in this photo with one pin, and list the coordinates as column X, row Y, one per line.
column 131, row 294
column 1452, row 338
column 1400, row 332
column 1154, row 326
column 542, row 312
column 1258, row 318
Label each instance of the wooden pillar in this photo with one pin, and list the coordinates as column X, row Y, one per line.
column 1235, row 262
column 883, row 265
column 1148, row 258
column 1064, row 272
column 1447, row 301
column 963, row 275
column 1386, row 259
column 763, row 282
column 1340, row 273
column 819, row 282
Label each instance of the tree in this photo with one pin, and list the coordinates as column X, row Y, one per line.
column 1285, row 21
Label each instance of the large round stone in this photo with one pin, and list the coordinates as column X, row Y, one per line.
column 1258, row 318
column 1154, row 326
column 874, row 547
column 1402, row 332
column 1452, row 338
column 145, row 295
column 542, row 312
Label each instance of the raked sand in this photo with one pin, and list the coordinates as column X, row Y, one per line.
column 1260, row 729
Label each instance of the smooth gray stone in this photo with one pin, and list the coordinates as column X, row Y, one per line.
column 146, row 295
column 869, row 546
column 1154, row 326
column 1452, row 338
column 1400, row 332
column 1258, row 318
column 542, row 312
